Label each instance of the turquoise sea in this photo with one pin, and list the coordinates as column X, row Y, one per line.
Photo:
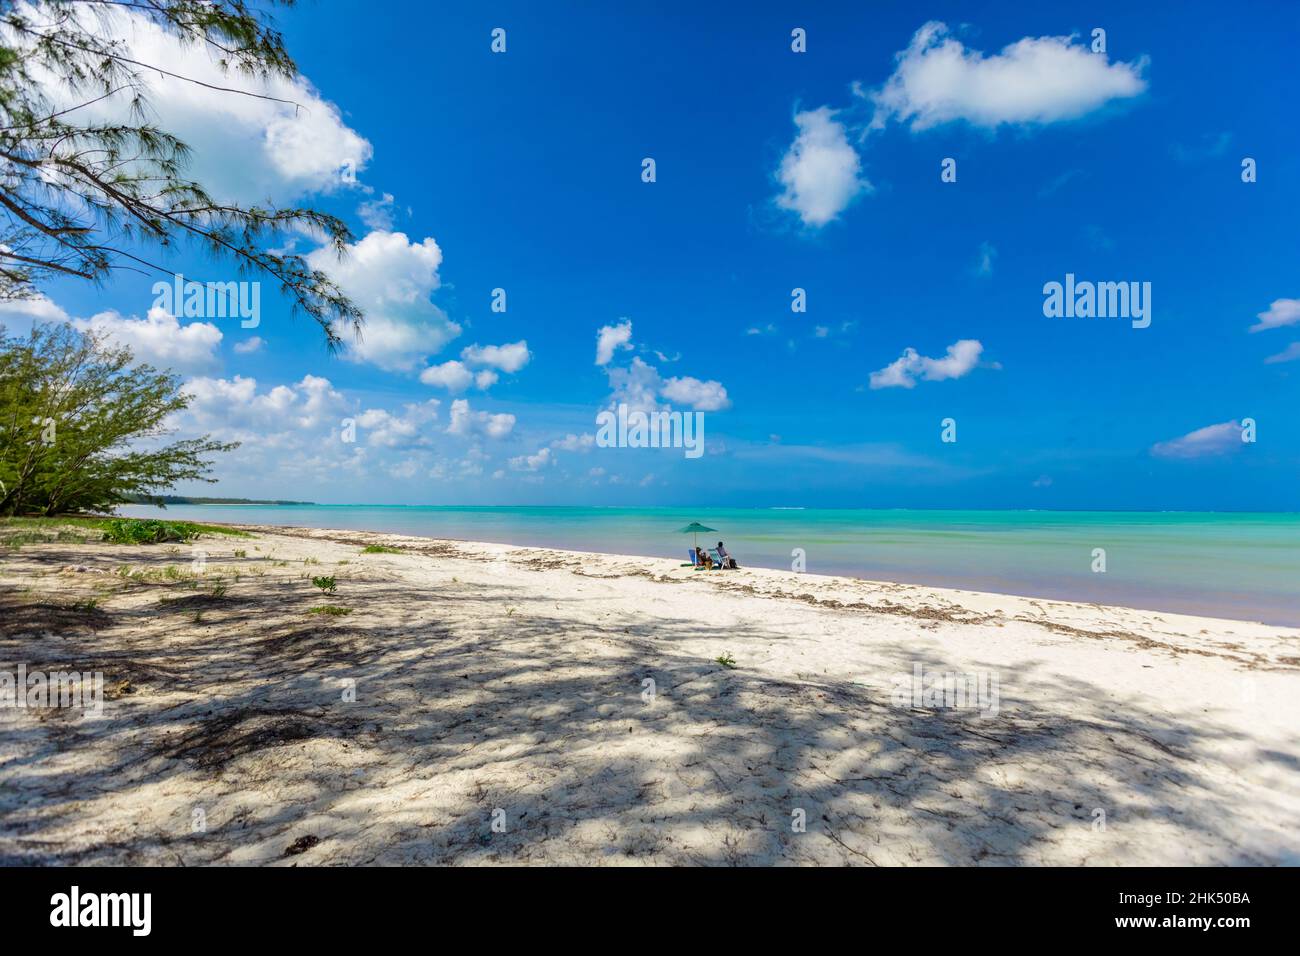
column 1244, row 566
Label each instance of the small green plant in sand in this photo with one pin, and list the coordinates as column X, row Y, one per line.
column 326, row 584
column 219, row 591
column 165, row 575
column 241, row 554
column 331, row 610
column 726, row 660
column 380, row 549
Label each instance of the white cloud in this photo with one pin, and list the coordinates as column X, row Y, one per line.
column 391, row 278
column 820, row 171
column 452, row 375
column 984, row 264
column 1034, row 80
column 36, row 309
column 1288, row 354
column 612, row 337
column 377, row 214
column 571, row 442
column 248, row 346
column 159, row 338
column 508, row 358
column 636, row 386
column 235, row 408
column 962, row 356
column 702, row 396
column 535, row 462
column 1281, row 312
column 466, row 422
column 308, row 434
column 456, row 376
column 472, row 463
column 407, row 468
column 640, row 386
column 1211, row 440
column 383, row 429
column 284, row 149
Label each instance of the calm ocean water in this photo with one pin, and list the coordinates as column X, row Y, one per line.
column 1244, row 566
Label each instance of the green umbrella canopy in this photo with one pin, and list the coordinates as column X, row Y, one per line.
column 695, row 528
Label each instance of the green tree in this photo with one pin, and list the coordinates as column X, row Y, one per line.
column 82, row 427
column 85, row 198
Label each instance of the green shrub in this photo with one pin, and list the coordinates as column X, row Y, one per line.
column 149, row 531
column 325, row 584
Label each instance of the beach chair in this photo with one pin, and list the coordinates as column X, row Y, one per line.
column 718, row 562
column 695, row 561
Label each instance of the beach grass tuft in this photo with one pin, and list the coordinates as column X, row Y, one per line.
column 17, row 531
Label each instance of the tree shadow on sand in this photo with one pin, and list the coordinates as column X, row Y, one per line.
column 511, row 716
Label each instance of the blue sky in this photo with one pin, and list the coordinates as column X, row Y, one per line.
column 523, row 170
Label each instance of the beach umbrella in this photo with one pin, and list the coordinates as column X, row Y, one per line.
column 695, row 528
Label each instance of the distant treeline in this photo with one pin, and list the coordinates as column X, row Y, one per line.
column 186, row 500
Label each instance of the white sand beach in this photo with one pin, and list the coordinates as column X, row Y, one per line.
column 506, row 685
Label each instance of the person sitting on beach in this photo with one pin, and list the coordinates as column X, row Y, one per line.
column 727, row 560
column 704, row 559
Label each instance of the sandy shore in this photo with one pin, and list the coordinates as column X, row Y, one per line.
column 522, row 705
